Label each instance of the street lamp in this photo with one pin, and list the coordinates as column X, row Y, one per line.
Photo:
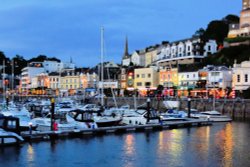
column 148, row 109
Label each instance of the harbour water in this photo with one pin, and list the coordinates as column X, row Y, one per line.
column 222, row 145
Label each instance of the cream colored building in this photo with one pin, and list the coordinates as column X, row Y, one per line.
column 243, row 28
column 151, row 55
column 241, row 74
column 146, row 78
column 54, row 80
column 70, row 81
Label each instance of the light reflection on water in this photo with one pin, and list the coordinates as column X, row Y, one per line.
column 170, row 143
column 129, row 150
column 222, row 145
column 30, row 153
column 225, row 142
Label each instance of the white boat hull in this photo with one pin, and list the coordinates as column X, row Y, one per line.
column 9, row 138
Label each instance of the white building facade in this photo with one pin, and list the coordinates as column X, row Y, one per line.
column 218, row 77
column 188, row 79
column 186, row 51
column 241, row 74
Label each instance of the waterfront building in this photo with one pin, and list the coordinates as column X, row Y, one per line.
column 168, row 78
column 146, row 79
column 241, row 74
column 53, row 66
column 188, row 83
column 188, row 80
column 127, row 79
column 33, row 69
column 241, row 29
column 216, row 76
column 142, row 55
column 136, row 59
column 92, row 79
column 54, row 80
column 70, row 82
column 39, row 84
column 123, row 78
column 151, row 55
column 187, row 51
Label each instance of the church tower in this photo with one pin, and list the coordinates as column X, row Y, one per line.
column 126, row 54
column 243, row 28
column 246, row 4
column 126, row 57
column 245, row 15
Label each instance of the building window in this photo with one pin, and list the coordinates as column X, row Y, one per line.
column 187, row 76
column 238, row 78
column 246, row 78
column 137, row 76
column 149, row 75
column 193, row 75
column 57, row 79
column 163, row 77
column 139, row 84
column 143, row 75
column 209, row 48
column 148, row 84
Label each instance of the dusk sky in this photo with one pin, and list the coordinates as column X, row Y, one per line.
column 64, row 29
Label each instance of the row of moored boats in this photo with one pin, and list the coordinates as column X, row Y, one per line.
column 36, row 115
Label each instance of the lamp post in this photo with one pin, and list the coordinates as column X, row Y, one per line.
column 52, row 113
column 189, row 107
column 148, row 109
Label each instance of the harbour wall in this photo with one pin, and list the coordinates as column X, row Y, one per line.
column 234, row 108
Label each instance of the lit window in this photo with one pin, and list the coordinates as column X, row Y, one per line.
column 238, row 78
column 139, row 84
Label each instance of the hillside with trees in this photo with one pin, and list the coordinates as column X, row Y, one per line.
column 218, row 30
column 20, row 62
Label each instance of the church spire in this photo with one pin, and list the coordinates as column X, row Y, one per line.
column 126, row 54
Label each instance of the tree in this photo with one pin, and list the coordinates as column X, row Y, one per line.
column 230, row 19
column 217, row 30
column 39, row 58
column 199, row 33
column 19, row 64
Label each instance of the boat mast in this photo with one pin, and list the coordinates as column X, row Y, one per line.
column 214, row 91
column 12, row 82
column 4, row 93
column 102, row 72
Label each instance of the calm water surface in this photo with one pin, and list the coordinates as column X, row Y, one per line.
column 222, row 145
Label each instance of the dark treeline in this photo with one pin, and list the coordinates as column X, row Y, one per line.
column 20, row 62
